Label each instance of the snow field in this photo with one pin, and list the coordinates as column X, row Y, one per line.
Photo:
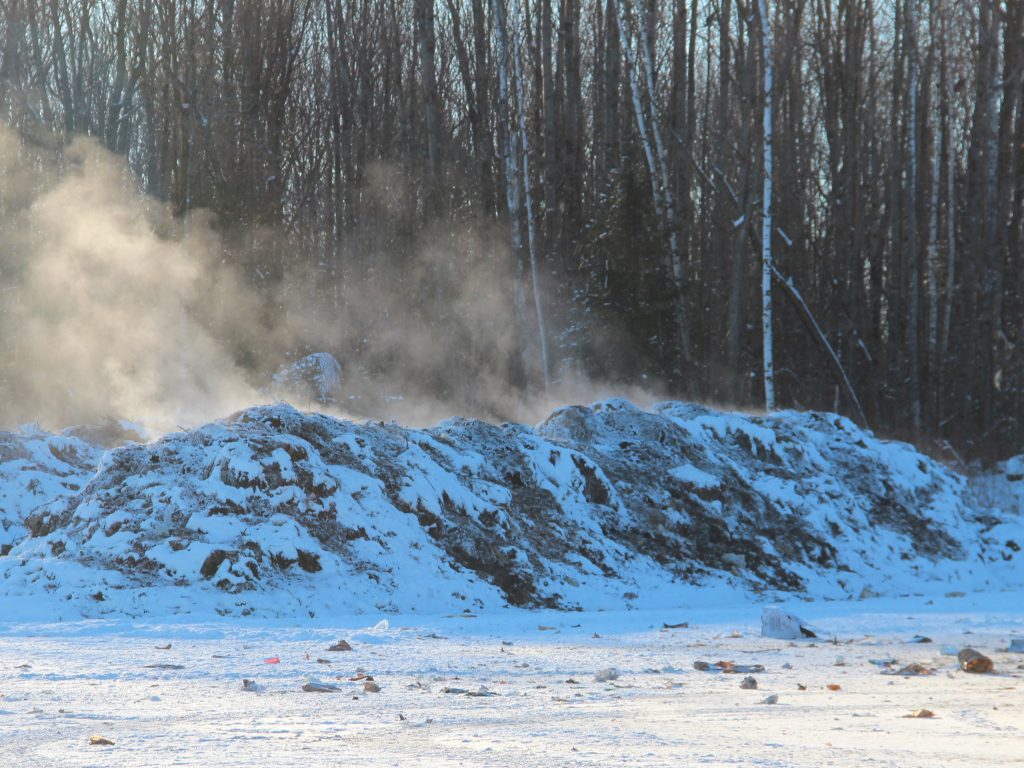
column 62, row 683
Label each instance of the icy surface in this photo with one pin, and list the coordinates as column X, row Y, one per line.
column 276, row 512
column 512, row 687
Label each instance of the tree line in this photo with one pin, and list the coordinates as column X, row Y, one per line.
column 612, row 154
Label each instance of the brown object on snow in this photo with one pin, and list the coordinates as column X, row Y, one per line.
column 341, row 645
column 371, row 687
column 314, row 687
column 99, row 741
column 972, row 661
column 921, row 713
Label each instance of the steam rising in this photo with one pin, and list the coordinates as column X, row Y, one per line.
column 104, row 320
column 113, row 308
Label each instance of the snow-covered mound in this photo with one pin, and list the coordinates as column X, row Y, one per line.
column 37, row 467
column 281, row 512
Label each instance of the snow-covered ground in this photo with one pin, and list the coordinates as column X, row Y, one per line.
column 61, row 683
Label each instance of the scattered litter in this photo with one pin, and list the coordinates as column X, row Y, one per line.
column 887, row 663
column 371, row 687
column 99, row 741
column 507, row 642
column 570, row 681
column 956, row 594
column 360, row 676
column 606, row 675
column 921, row 713
column 164, row 666
column 834, row 687
column 801, row 687
column 972, row 661
column 913, row 669
column 544, row 628
column 920, row 639
column 748, row 683
column 482, row 691
column 381, row 626
column 314, row 686
column 783, row 625
column 728, row 667
column 773, row 699
column 735, row 633
column 341, row 645
column 272, row 660
column 680, row 625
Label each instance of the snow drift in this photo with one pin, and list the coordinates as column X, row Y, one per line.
column 275, row 511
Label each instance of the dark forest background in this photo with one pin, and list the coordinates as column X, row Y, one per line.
column 607, row 159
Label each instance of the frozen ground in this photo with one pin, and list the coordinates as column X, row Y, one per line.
column 62, row 683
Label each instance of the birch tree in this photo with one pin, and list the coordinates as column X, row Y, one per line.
column 766, row 215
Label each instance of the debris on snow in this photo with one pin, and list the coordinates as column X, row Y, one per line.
column 973, row 661
column 315, row 686
column 783, row 625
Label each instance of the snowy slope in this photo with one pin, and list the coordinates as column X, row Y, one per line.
column 37, row 468
column 277, row 512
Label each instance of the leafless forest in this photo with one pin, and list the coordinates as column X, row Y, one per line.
column 539, row 192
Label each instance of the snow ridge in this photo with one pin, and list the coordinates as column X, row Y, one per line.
column 273, row 511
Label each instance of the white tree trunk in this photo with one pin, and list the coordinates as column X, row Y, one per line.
column 657, row 163
column 639, row 112
column 766, row 219
column 933, row 227
column 531, row 228
column 509, row 162
column 913, row 310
